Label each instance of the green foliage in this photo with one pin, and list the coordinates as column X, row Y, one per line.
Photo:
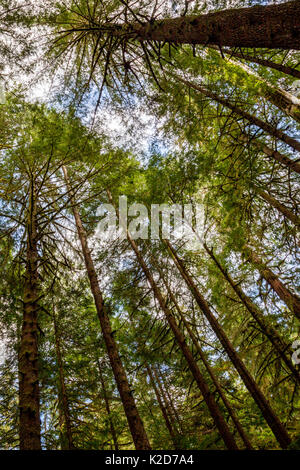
column 200, row 152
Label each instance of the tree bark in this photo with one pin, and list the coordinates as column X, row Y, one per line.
column 271, row 130
column 66, row 431
column 272, row 26
column 271, row 418
column 29, row 405
column 199, row 379
column 135, row 423
column 279, row 344
column 291, row 300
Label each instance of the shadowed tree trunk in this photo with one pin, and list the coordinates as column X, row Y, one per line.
column 271, row 130
column 66, row 431
column 272, row 26
column 291, row 300
column 271, row 418
column 29, row 406
column 135, row 423
column 281, row 347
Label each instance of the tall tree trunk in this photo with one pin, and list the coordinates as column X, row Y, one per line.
column 272, row 26
column 135, row 423
column 208, row 368
column 199, row 379
column 271, row 130
column 162, row 407
column 286, row 102
column 29, row 405
column 277, row 427
column 279, row 344
column 280, row 207
column 66, row 430
column 279, row 157
column 291, row 300
column 107, row 407
column 265, row 62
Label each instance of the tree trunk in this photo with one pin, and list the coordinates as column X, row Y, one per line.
column 107, row 407
column 283, row 100
column 277, row 427
column 209, row 369
column 291, row 300
column 272, row 26
column 280, row 207
column 279, row 344
column 66, row 430
column 135, row 423
column 163, row 408
column 199, row 379
column 283, row 159
column 265, row 62
column 271, row 130
column 29, row 406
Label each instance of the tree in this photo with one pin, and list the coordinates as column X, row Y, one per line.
column 184, row 340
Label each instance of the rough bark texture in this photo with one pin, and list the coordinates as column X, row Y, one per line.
column 279, row 344
column 271, row 130
column 199, row 379
column 271, row 418
column 135, row 423
column 280, row 207
column 66, row 426
column 291, row 300
column 272, row 26
column 29, row 407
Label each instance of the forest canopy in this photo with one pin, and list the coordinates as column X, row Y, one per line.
column 149, row 225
